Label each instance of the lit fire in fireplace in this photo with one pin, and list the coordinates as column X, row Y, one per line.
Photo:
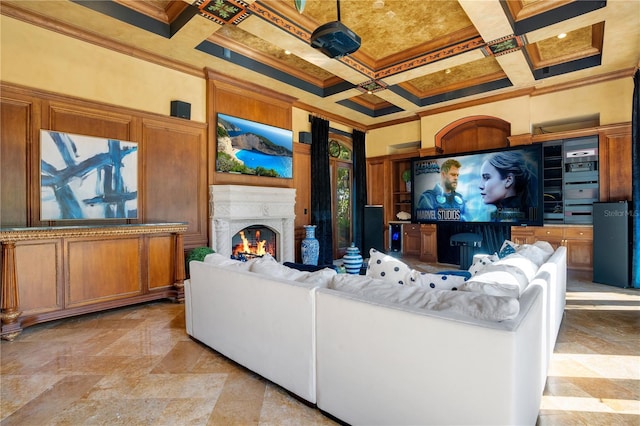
column 253, row 246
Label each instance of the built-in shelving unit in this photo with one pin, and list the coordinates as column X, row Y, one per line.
column 553, row 178
column 401, row 193
column 571, row 181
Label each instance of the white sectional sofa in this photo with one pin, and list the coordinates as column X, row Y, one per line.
column 392, row 355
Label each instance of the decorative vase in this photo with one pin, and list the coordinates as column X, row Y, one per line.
column 310, row 247
column 352, row 260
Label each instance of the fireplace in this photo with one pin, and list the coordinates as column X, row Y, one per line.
column 254, row 241
column 236, row 207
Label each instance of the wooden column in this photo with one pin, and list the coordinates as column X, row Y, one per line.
column 10, row 308
column 179, row 268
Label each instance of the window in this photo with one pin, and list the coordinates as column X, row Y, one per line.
column 341, row 165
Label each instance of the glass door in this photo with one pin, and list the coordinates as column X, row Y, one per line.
column 342, row 189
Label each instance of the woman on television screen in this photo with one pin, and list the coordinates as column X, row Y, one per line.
column 505, row 183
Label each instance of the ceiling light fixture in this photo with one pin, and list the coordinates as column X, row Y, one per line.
column 562, row 35
column 378, row 4
column 334, row 39
column 391, row 14
column 287, row 52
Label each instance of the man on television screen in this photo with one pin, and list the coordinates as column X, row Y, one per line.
column 443, row 199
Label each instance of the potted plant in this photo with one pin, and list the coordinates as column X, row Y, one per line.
column 198, row 253
column 406, row 177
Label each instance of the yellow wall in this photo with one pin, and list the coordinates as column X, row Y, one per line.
column 393, row 139
column 610, row 100
column 42, row 59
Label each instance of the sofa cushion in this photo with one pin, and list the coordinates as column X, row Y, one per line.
column 384, row 267
column 498, row 280
column 545, row 246
column 268, row 266
column 525, row 265
column 474, row 305
column 534, row 253
column 224, row 261
column 319, row 278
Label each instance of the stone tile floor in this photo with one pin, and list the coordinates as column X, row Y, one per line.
column 137, row 366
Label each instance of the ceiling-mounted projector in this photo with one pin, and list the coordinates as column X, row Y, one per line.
column 335, row 40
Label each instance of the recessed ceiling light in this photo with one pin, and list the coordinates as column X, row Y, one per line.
column 391, row 14
column 378, row 4
column 287, row 52
column 447, row 71
column 562, row 35
column 369, row 92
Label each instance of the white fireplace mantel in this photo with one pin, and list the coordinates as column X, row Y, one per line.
column 235, row 207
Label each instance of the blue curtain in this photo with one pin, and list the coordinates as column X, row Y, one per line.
column 635, row 191
column 359, row 187
column 321, row 215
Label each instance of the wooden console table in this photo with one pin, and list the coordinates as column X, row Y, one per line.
column 58, row 272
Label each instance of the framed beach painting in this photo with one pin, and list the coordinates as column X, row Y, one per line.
column 84, row 177
column 252, row 148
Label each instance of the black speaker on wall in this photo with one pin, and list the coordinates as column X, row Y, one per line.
column 181, row 109
column 304, row 137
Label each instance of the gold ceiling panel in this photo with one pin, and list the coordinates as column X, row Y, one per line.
column 577, row 44
column 413, row 23
column 464, row 75
column 287, row 62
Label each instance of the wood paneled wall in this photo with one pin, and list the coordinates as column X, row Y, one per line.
column 252, row 102
column 172, row 158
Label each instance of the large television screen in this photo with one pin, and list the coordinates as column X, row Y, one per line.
column 492, row 187
column 252, row 148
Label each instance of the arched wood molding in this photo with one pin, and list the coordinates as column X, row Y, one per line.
column 473, row 134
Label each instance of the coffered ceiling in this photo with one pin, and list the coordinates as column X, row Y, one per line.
column 416, row 56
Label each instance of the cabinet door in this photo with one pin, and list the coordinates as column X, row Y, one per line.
column 579, row 243
column 376, row 182
column 521, row 235
column 429, row 244
column 553, row 235
column 411, row 239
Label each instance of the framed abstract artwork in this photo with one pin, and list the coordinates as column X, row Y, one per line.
column 85, row 177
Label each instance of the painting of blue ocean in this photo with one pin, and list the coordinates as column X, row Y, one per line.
column 84, row 177
column 249, row 147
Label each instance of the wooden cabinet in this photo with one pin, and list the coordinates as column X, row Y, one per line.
column 411, row 239
column 429, row 243
column 577, row 239
column 58, row 272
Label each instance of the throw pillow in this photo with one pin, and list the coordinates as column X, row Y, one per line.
column 498, row 280
column 435, row 281
column 508, row 247
column 384, row 267
column 480, row 261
